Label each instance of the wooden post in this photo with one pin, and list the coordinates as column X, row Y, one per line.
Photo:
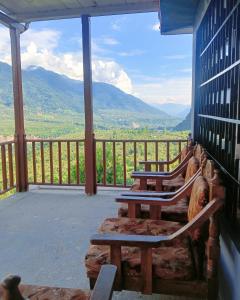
column 21, row 154
column 90, row 155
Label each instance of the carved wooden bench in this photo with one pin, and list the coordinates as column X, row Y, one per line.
column 158, row 256
column 11, row 290
column 159, row 181
column 163, row 165
column 172, row 206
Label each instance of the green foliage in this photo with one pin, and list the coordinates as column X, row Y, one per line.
column 8, row 194
column 125, row 158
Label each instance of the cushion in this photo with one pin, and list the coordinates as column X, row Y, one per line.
column 168, row 262
column 174, row 183
column 192, row 168
column 142, row 227
column 199, row 198
column 208, row 170
column 151, row 184
column 184, row 153
column 176, row 212
column 168, row 185
column 198, row 151
column 34, row 292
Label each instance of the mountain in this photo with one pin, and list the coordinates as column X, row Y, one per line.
column 185, row 124
column 173, row 109
column 55, row 98
column 184, row 113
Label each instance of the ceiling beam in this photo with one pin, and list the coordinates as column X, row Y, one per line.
column 127, row 8
column 11, row 23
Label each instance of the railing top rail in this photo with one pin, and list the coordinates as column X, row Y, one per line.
column 7, row 142
column 54, row 140
column 143, row 140
column 111, row 140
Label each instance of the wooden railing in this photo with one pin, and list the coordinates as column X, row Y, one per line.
column 55, row 162
column 7, row 166
column 62, row 161
column 116, row 159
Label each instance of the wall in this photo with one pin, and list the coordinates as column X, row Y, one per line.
column 229, row 275
column 217, row 127
column 202, row 7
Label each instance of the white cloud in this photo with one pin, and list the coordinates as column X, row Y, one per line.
column 177, row 56
column 135, row 52
column 39, row 48
column 111, row 72
column 118, row 23
column 116, row 26
column 109, row 41
column 5, row 49
column 187, row 70
column 156, row 26
column 43, row 39
column 160, row 90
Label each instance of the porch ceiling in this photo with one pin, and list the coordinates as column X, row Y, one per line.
column 177, row 16
column 35, row 10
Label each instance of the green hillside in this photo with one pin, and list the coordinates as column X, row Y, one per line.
column 185, row 124
column 54, row 105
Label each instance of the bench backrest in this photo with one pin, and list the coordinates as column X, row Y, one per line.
column 206, row 187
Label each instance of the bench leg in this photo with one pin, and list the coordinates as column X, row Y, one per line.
column 92, row 282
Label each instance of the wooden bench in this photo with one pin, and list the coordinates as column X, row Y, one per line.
column 172, row 206
column 159, row 181
column 11, row 290
column 165, row 165
column 157, row 256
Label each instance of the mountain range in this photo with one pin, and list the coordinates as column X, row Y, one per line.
column 185, row 124
column 173, row 109
column 53, row 98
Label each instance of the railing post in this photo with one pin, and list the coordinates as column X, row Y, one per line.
column 21, row 153
column 90, row 151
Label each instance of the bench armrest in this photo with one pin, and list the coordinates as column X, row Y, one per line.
column 128, row 240
column 153, row 162
column 160, row 162
column 158, row 175
column 148, row 200
column 149, row 194
column 103, row 288
column 150, row 173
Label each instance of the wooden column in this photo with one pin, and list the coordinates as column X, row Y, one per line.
column 21, row 154
column 90, row 153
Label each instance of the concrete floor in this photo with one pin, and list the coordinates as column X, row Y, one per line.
column 45, row 235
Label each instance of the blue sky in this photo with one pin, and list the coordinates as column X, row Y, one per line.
column 128, row 51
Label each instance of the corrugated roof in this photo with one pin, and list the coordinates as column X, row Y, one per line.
column 36, row 10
